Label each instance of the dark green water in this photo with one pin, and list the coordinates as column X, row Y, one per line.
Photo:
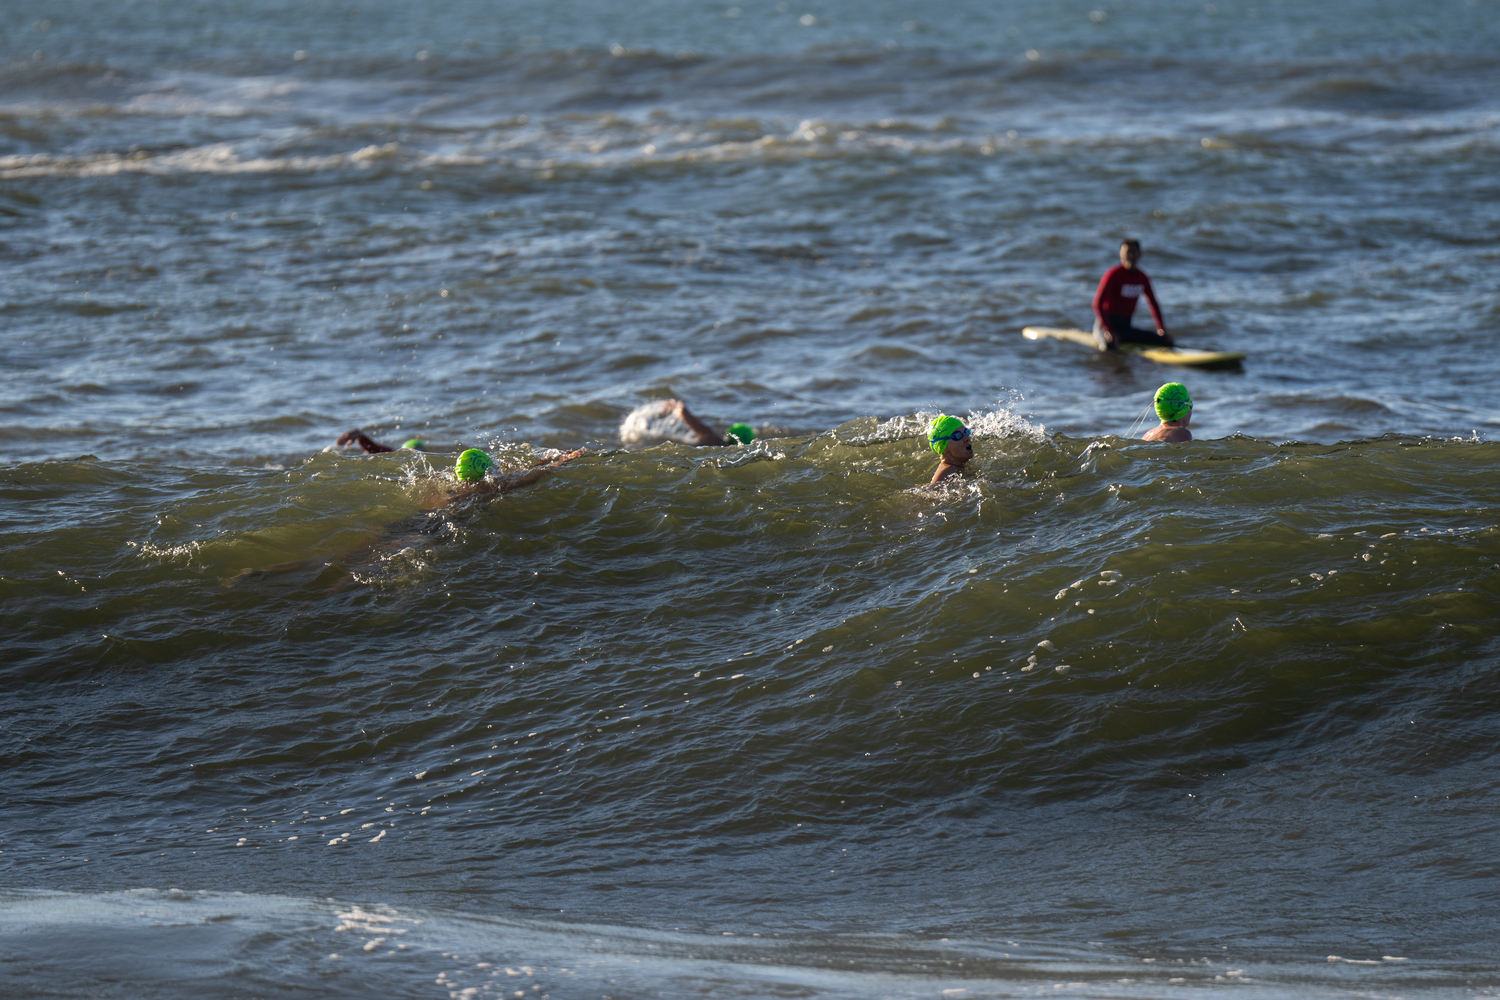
column 779, row 692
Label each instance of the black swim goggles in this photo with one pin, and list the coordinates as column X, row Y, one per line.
column 962, row 434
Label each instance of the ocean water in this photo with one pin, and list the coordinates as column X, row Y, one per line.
column 1100, row 719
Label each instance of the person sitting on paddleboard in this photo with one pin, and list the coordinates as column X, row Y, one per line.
column 1120, row 290
column 953, row 442
column 1175, row 408
column 734, row 434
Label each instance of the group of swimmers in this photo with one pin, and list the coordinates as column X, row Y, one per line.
column 953, row 441
column 1115, row 301
column 949, row 437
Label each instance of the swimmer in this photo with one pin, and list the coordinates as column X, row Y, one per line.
column 734, row 434
column 472, row 472
column 952, row 441
column 1119, row 293
column 1175, row 408
column 373, row 447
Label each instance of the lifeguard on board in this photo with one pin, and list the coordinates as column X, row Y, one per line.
column 1115, row 302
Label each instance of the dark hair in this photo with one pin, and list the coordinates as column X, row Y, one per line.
column 1132, row 244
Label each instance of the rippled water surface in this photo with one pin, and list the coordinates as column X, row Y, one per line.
column 1102, row 718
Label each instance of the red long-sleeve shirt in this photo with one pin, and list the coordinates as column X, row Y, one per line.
column 1120, row 290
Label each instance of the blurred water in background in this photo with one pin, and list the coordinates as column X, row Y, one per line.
column 1103, row 719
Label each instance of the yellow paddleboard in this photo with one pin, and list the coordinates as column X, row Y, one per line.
column 1161, row 355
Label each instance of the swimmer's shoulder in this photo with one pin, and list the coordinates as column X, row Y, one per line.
column 944, row 471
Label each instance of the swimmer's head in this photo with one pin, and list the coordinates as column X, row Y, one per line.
column 743, row 433
column 1173, row 401
column 415, row 445
column 945, row 430
column 471, row 466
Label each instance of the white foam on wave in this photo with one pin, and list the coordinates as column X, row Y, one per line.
column 207, row 943
column 1002, row 422
column 216, row 158
column 181, row 554
column 541, row 150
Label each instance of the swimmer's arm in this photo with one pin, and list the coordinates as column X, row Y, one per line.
column 1155, row 307
column 362, row 439
column 443, row 496
column 1099, row 302
column 535, row 472
column 706, row 436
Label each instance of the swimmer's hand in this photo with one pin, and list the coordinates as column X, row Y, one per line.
column 1161, row 332
column 359, row 437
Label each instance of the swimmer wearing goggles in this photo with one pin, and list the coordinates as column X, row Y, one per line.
column 953, row 443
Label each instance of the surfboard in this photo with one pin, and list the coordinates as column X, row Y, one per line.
column 1161, row 355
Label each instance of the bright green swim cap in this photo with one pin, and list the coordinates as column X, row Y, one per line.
column 743, row 433
column 415, row 445
column 471, row 465
column 1173, row 401
column 940, row 431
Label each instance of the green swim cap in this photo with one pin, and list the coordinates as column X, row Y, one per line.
column 1173, row 401
column 940, row 431
column 471, row 465
column 415, row 445
column 743, row 433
